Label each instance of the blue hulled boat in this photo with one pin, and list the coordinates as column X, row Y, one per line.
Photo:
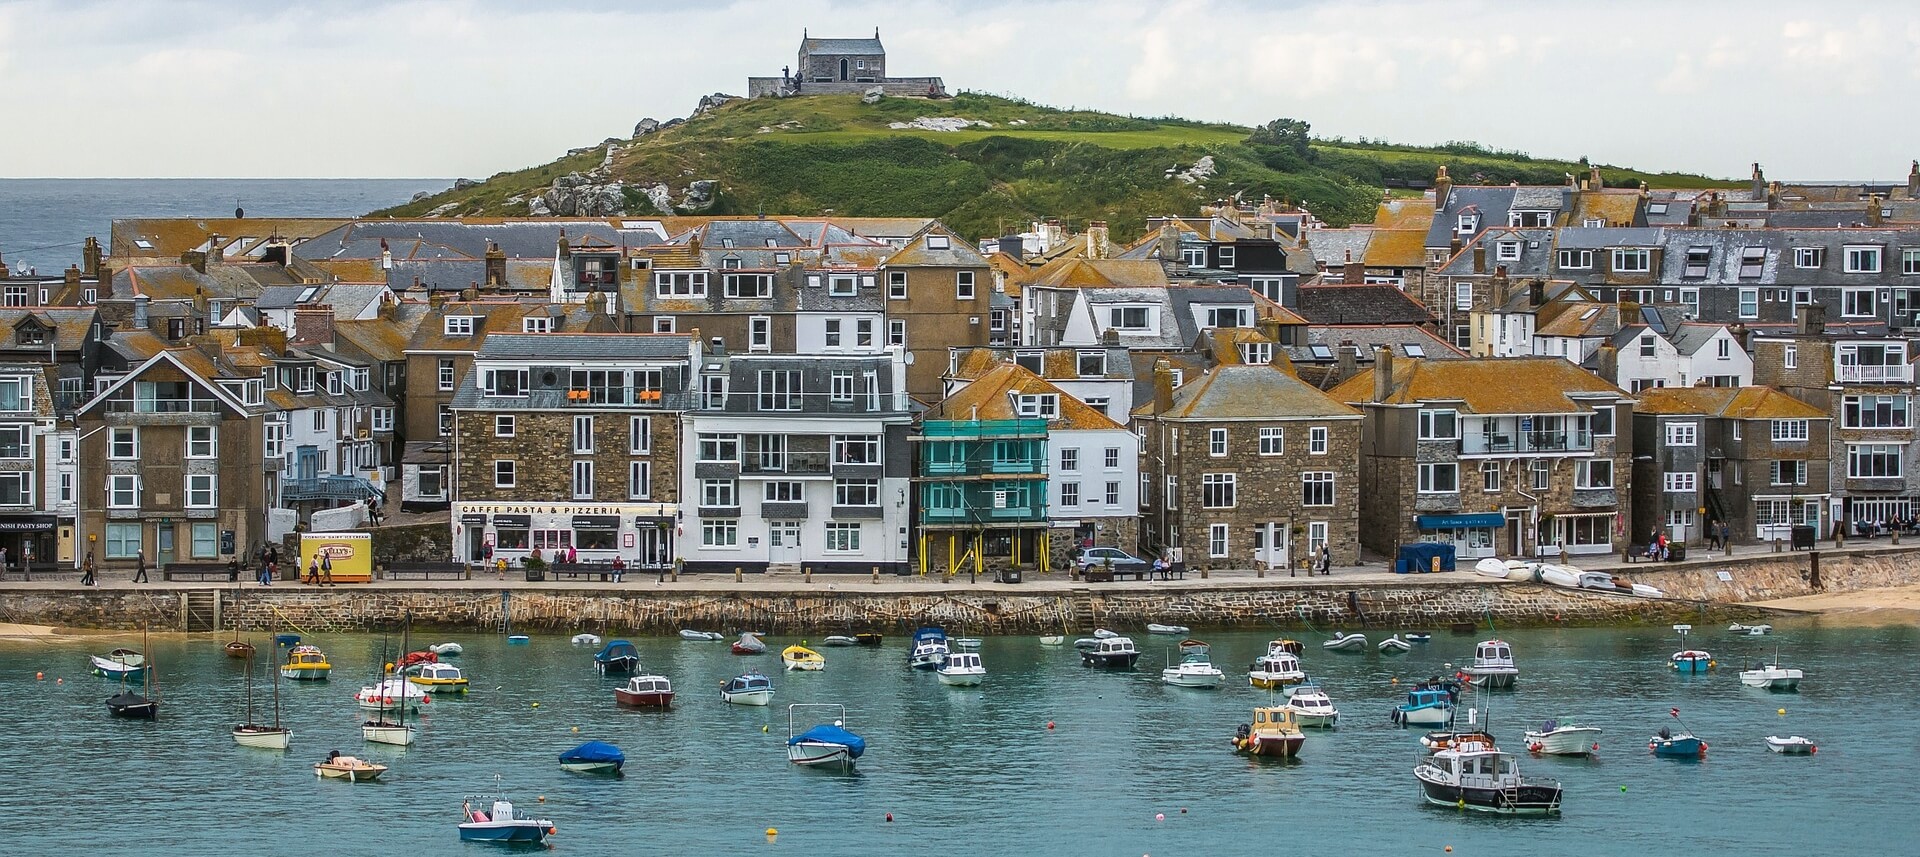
column 618, row 658
column 1677, row 744
column 929, row 649
column 501, row 823
column 1425, row 707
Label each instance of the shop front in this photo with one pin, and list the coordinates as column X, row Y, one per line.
column 28, row 536
column 641, row 534
column 1581, row 532
column 1472, row 535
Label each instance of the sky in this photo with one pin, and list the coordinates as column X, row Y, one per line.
column 405, row 88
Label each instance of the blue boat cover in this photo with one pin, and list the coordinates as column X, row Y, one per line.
column 594, row 751
column 617, row 649
column 1419, row 557
column 828, row 733
column 928, row 634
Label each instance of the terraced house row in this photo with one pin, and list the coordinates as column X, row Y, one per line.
column 1510, row 370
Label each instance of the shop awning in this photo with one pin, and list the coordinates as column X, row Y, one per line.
column 516, row 522
column 596, row 522
column 1460, row 522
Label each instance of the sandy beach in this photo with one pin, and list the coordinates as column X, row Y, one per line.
column 1894, row 605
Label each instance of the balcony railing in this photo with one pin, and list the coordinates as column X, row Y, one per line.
column 162, row 406
column 1874, row 374
column 330, row 488
column 626, row 397
column 801, row 463
column 1527, row 442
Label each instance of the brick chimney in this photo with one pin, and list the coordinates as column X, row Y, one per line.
column 1349, row 360
column 1759, row 185
column 1382, row 374
column 104, row 289
column 1873, row 209
column 1479, row 257
column 1498, row 286
column 216, row 252
column 1740, row 334
column 1536, row 293
column 1442, row 188
column 1913, row 181
column 90, row 257
column 1813, row 319
column 386, row 256
column 1594, row 181
column 496, row 265
column 72, row 275
column 195, row 259
column 1162, row 386
column 1608, row 358
column 1098, row 246
column 312, row 326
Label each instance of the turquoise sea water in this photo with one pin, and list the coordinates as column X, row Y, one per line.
column 968, row 771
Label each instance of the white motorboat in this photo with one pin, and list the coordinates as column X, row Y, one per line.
column 1750, row 630
column 1791, row 745
column 1174, row 630
column 747, row 689
column 839, row 640
column 1554, row 739
column 383, row 731
column 1311, row 706
column 696, row 636
column 1103, row 634
column 929, row 649
column 1481, row 778
column 1395, row 646
column 446, row 649
column 1276, row 668
column 391, row 694
column 1345, row 642
column 1492, row 665
column 825, row 744
column 586, row 640
column 1195, row 670
column 962, row 669
column 1772, row 676
column 1053, row 640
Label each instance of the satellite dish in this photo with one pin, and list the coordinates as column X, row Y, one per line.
column 239, row 213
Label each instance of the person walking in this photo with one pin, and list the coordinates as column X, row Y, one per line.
column 86, row 572
column 140, row 567
column 265, row 577
column 313, row 572
column 1326, row 560
column 1726, row 536
column 326, row 569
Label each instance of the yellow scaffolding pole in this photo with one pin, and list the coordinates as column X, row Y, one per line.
column 979, row 550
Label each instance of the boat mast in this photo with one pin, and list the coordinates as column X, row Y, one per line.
column 249, row 671
column 276, row 695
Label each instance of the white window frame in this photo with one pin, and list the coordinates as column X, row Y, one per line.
column 506, row 472
column 1317, row 440
column 123, row 491
column 583, row 434
column 963, row 286
column 203, row 447
column 1863, row 259
column 1218, row 540
column 1217, row 442
column 1631, row 260
column 1318, row 482
column 1683, row 434
column 1790, row 431
column 504, row 425
column 1430, row 478
column 1219, row 490
column 1680, row 481
column 1273, row 441
column 1439, row 424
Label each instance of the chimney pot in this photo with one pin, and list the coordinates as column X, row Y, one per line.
column 1162, row 386
column 1382, row 374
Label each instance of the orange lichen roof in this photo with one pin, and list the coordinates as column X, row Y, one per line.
column 990, row 397
column 1405, row 213
column 1261, row 392
column 671, row 256
column 1574, row 319
column 1078, row 272
column 958, row 252
column 1615, row 207
column 353, row 270
column 975, row 362
column 1485, row 385
column 1740, row 403
column 172, row 236
column 1397, row 248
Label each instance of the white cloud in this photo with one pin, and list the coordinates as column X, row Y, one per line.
column 471, row 87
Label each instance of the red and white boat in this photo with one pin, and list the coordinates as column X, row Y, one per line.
column 749, row 644
column 645, row 691
column 1273, row 732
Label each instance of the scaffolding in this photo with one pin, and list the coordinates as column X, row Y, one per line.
column 978, row 478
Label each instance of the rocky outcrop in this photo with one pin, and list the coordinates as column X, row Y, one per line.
column 443, row 210
column 463, row 184
column 873, row 95
column 1201, row 170
column 575, row 195
column 699, row 196
column 939, row 123
column 645, row 126
column 420, row 195
column 661, row 196
column 710, row 103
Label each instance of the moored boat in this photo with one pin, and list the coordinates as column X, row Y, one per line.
column 124, row 664
column 1195, row 669
column 1791, row 745
column 802, row 658
column 391, row 694
column 839, row 640
column 1419, row 637
column 868, row 638
column 1425, row 706
column 381, row 729
column 645, row 691
column 826, row 743
column 1677, row 744
column 747, row 689
column 414, row 660
column 1689, row 660
column 1395, row 646
column 1175, row 630
column 962, row 669
column 238, row 648
column 1492, row 665
column 1772, row 676
column 132, row 706
column 1484, row 779
column 1273, row 732
column 701, row 636
column 446, row 650
column 1345, row 643
column 584, row 640
column 593, row 757
column 1311, row 707
column 749, row 644
column 1276, row 668
column 1555, row 739
column 1053, row 640
column 440, row 678
column 1448, row 739
column 1112, row 653
column 1750, row 630
column 617, row 658
column 1290, row 646
column 260, row 735
column 349, row 768
column 929, row 649
column 306, row 663
column 500, row 823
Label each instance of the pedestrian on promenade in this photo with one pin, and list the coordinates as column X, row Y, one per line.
column 265, row 578
column 140, row 567
column 619, row 568
column 313, row 572
column 1713, row 533
column 500, row 565
column 86, row 572
column 326, row 569
column 1726, row 536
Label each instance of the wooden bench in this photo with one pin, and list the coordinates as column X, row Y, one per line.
column 426, row 573
column 200, row 573
column 576, row 570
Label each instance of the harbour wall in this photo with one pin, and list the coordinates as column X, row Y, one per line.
column 1701, row 590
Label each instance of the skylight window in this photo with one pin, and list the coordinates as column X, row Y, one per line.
column 937, row 242
column 1415, row 349
column 1321, row 352
column 143, row 243
column 1752, row 259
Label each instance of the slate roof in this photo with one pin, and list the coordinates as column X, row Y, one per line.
column 1491, row 203
column 1484, row 385
column 1690, row 337
column 990, row 397
column 585, row 346
column 1740, row 403
column 1360, row 304
column 1536, row 253
column 70, row 325
column 1371, row 337
column 842, row 46
column 1331, row 246
column 1262, row 392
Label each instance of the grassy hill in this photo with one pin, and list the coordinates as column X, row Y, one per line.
column 808, row 155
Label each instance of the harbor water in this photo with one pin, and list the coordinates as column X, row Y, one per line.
column 1047, row 757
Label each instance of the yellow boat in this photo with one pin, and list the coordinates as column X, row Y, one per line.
column 803, row 658
column 306, row 663
column 439, row 678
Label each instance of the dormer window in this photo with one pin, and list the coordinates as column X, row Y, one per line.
column 30, row 334
column 1467, row 224
column 1631, row 260
column 536, row 324
column 336, row 385
column 1226, row 256
column 1043, row 405
column 1863, row 260
column 1193, row 255
column 459, row 325
column 1809, row 257
column 1698, row 258
column 1256, row 353
column 303, row 379
column 730, row 263
column 1507, row 251
column 937, row 242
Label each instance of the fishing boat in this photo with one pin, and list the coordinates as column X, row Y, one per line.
column 747, row 689
column 1750, row 630
column 440, row 678
column 802, row 658
column 1195, row 669
column 929, row 649
column 1273, row 732
column 962, row 669
column 840, row 640
column 124, row 664
column 593, row 757
column 1689, row 660
column 1492, row 665
column 446, row 650
column 1481, row 778
column 1449, row 739
column 1113, row 653
column 391, row 694
column 1276, row 668
column 501, row 823
column 584, row 640
column 349, row 768
column 826, row 743
column 1345, row 643
column 701, row 636
column 1312, row 707
column 306, row 663
column 1173, row 630
column 1680, row 745
column 1291, row 647
column 1425, row 706
column 749, row 644
column 254, row 734
column 868, row 638
column 617, row 658
column 645, row 691
column 1772, row 676
column 1554, row 739
column 1395, row 646
column 1791, row 745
